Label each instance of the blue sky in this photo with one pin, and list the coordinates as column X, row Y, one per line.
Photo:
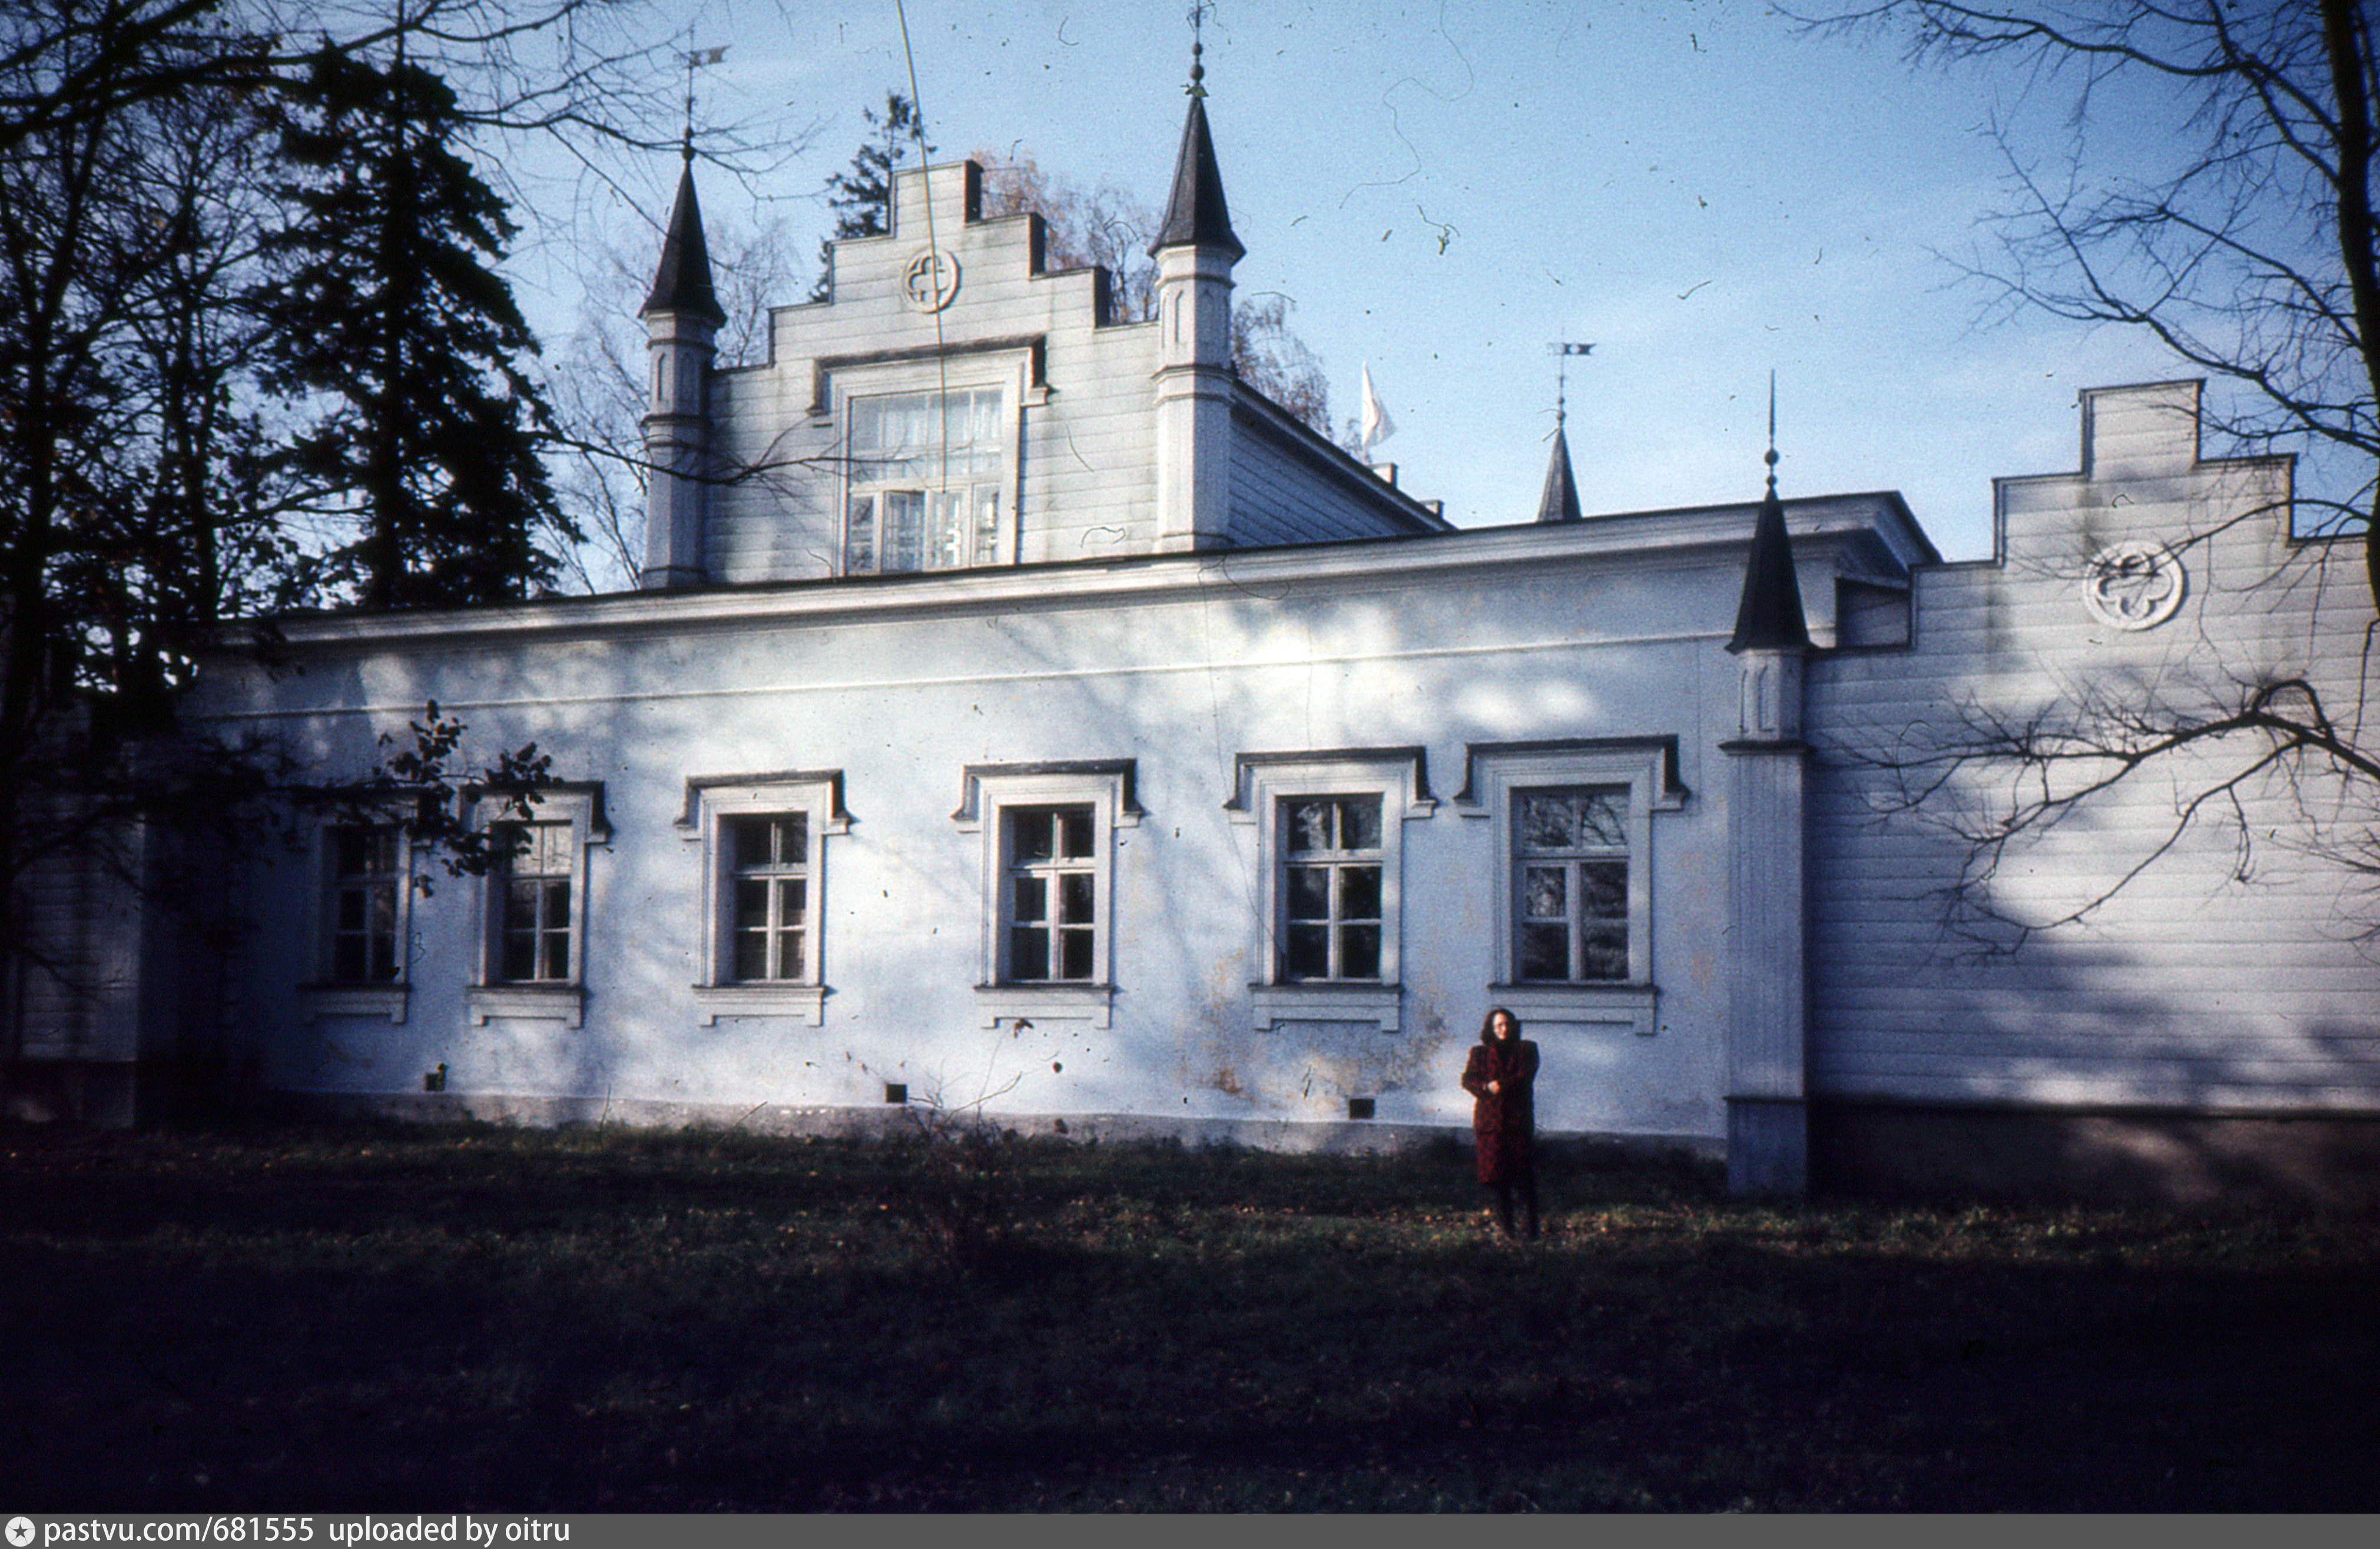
column 1442, row 190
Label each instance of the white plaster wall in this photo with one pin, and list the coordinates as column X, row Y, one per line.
column 2195, row 985
column 1177, row 663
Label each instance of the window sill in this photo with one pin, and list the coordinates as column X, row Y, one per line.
column 1326, row 1001
column 1596, row 1006
column 1057, row 999
column 352, row 1000
column 807, row 1002
column 566, row 1002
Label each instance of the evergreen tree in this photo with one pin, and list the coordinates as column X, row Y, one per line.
column 386, row 310
column 861, row 196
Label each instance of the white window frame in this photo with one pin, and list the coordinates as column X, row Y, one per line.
column 1498, row 776
column 1265, row 784
column 711, row 801
column 580, row 808
column 325, row 995
column 990, row 794
column 1006, row 371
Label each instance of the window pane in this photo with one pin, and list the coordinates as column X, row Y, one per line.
column 1359, row 823
column 1544, row 952
column 860, row 536
column 1074, row 838
column 902, row 542
column 751, row 954
column 520, row 953
column 1075, row 898
column 987, row 524
column 1034, row 836
column 1603, row 819
column 789, row 955
column 1547, row 822
column 347, row 960
column 351, row 907
column 751, row 905
column 1544, row 893
column 1359, row 952
column 1309, row 827
column 1029, row 953
column 1359, row 892
column 793, row 903
column 1032, row 897
column 1603, row 890
column 1074, row 952
column 1308, row 955
column 1309, row 892
column 1603, row 952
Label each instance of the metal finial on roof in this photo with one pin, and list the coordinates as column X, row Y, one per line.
column 1562, row 352
column 695, row 58
column 1771, row 457
column 1198, row 51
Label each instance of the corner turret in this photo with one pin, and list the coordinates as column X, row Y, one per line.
column 1768, row 1035
column 1194, row 250
column 682, row 318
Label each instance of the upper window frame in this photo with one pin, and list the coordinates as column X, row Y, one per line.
column 1009, row 372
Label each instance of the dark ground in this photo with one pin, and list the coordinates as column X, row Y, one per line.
column 489, row 1320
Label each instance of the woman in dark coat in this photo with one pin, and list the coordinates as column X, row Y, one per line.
column 1502, row 1075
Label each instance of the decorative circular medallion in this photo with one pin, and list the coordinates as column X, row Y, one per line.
column 2133, row 585
column 932, row 281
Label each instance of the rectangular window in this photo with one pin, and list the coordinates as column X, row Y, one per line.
column 1330, row 888
column 1051, row 893
column 534, row 871
column 367, row 897
column 1570, row 865
column 770, row 856
column 926, row 475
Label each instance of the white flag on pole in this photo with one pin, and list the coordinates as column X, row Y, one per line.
column 1378, row 426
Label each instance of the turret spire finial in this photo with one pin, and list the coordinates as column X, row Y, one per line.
column 695, row 59
column 1770, row 458
column 1198, row 50
column 1563, row 352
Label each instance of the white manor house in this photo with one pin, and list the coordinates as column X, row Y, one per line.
column 1020, row 712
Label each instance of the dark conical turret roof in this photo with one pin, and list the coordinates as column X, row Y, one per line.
column 1195, row 215
column 682, row 283
column 1560, row 502
column 1770, row 617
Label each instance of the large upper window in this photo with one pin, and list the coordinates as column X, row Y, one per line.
column 926, row 471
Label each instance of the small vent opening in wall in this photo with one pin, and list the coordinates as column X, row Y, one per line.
column 896, row 1092
column 1359, row 1107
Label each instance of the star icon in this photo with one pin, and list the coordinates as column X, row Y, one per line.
column 21, row 1531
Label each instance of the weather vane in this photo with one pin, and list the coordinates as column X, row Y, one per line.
column 1563, row 352
column 695, row 59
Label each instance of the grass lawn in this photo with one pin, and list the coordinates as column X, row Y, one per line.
column 488, row 1319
